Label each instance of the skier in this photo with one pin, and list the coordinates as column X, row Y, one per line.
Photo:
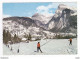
column 8, row 46
column 70, row 41
column 38, row 47
column 18, row 51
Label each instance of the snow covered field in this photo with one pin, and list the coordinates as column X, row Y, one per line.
column 52, row 47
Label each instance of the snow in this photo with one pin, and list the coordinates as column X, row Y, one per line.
column 33, row 39
column 24, row 39
column 48, row 46
column 15, row 28
column 51, row 25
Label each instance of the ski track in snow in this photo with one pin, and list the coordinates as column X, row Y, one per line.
column 48, row 46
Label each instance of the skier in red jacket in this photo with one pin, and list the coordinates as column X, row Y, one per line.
column 70, row 41
column 38, row 47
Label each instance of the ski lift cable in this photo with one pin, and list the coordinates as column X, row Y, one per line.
column 46, row 43
column 41, row 46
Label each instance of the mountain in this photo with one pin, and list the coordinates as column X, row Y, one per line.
column 61, row 20
column 26, row 21
column 41, row 20
column 21, row 25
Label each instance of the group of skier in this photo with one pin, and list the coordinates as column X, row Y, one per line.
column 39, row 47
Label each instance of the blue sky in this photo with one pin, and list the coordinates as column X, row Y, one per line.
column 29, row 9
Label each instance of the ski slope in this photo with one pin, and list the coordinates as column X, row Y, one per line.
column 48, row 46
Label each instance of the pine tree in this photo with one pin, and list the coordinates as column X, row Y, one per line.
column 6, row 36
column 29, row 37
column 16, row 39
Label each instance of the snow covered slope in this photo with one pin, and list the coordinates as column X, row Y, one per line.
column 52, row 47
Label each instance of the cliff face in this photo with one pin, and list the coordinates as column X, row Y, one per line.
column 61, row 19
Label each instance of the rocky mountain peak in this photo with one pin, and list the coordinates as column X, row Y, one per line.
column 41, row 18
column 61, row 18
column 37, row 14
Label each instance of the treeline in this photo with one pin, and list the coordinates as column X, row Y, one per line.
column 65, row 37
column 8, row 38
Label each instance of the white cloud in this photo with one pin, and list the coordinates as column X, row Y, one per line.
column 4, row 16
column 45, row 10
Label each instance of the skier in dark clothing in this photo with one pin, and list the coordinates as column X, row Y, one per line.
column 18, row 51
column 8, row 46
column 38, row 47
column 70, row 41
